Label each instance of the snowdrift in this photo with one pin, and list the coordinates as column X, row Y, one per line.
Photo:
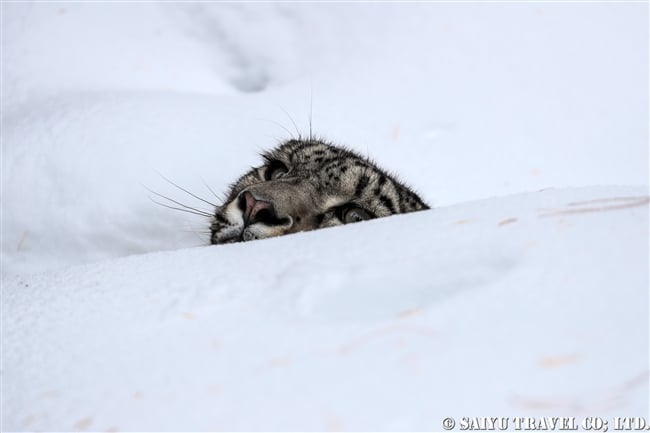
column 117, row 316
column 534, row 304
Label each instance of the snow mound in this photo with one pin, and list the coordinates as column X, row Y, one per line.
column 508, row 306
column 464, row 101
column 534, row 304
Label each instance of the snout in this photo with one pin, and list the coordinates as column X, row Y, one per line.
column 277, row 207
column 259, row 211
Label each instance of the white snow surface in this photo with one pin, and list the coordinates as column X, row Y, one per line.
column 528, row 305
column 523, row 292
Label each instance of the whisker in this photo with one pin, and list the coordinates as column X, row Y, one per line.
column 181, row 209
column 211, row 190
column 311, row 109
column 283, row 127
column 291, row 118
column 202, row 212
column 184, row 190
column 197, row 227
column 195, row 232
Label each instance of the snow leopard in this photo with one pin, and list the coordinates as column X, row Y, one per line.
column 307, row 184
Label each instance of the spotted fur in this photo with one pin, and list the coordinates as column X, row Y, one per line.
column 306, row 185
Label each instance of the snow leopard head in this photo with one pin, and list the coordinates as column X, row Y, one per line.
column 306, row 185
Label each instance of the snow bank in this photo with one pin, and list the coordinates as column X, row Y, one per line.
column 465, row 102
column 117, row 316
column 504, row 307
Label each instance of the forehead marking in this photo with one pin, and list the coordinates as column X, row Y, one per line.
column 361, row 185
column 388, row 203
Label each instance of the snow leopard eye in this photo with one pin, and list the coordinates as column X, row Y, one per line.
column 353, row 214
column 275, row 170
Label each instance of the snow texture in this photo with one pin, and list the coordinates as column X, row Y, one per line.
column 524, row 291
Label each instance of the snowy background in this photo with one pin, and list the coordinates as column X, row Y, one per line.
column 501, row 301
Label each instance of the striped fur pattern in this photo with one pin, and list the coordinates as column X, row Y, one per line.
column 306, row 185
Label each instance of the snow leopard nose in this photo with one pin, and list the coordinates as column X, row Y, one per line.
column 258, row 211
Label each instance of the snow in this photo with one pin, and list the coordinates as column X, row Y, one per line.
column 524, row 292
column 494, row 312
